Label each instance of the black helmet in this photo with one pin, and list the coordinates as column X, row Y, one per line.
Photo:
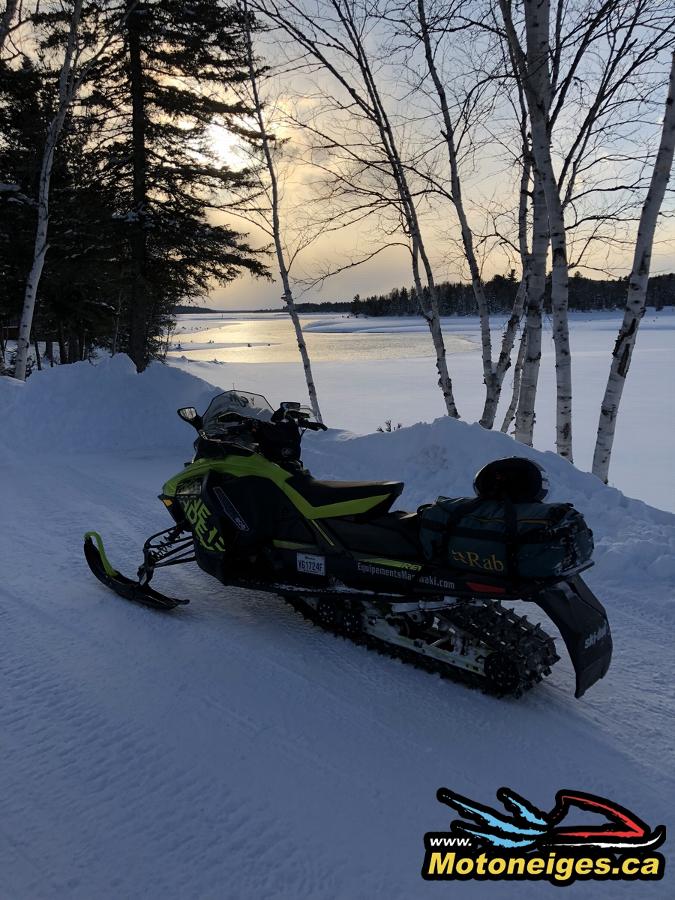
column 514, row 478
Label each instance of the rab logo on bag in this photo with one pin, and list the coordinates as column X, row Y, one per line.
column 473, row 560
column 530, row 845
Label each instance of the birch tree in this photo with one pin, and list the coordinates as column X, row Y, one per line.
column 66, row 91
column 490, row 376
column 510, row 413
column 530, row 296
column 533, row 67
column 69, row 83
column 535, row 286
column 463, row 100
column 264, row 140
column 336, row 41
column 637, row 288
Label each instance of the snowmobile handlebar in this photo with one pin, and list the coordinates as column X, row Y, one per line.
column 293, row 412
column 313, row 426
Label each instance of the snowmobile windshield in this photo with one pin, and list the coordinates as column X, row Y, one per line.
column 225, row 407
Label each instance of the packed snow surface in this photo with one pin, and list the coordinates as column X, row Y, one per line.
column 230, row 749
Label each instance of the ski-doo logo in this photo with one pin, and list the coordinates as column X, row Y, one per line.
column 596, row 637
column 528, row 844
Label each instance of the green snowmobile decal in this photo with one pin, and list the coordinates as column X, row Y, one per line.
column 109, row 570
column 256, row 465
column 198, row 515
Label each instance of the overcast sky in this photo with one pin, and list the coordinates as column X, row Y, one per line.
column 391, row 269
column 490, row 167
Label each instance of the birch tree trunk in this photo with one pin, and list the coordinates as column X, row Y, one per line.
column 637, row 289
column 429, row 309
column 369, row 102
column 520, row 302
column 517, row 376
column 276, row 223
column 537, row 31
column 66, row 90
column 535, row 278
column 489, row 373
column 138, row 294
column 6, row 20
column 533, row 69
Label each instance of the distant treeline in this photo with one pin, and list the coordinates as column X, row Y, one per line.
column 585, row 294
column 455, row 299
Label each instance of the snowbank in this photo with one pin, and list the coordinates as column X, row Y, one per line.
column 103, row 407
column 635, row 543
column 109, row 407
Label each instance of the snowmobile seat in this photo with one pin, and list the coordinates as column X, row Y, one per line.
column 325, row 493
column 393, row 535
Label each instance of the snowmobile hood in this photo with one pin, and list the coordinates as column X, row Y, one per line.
column 378, row 495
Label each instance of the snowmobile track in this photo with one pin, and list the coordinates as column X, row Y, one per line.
column 510, row 622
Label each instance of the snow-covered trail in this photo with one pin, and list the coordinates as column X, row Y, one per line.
column 229, row 749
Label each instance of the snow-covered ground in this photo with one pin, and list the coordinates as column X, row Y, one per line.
column 230, row 750
column 366, row 371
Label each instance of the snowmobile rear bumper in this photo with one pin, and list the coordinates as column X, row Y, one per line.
column 99, row 564
column 582, row 622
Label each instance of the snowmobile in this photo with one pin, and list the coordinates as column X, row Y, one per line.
column 428, row 587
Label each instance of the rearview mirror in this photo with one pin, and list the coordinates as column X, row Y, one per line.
column 190, row 414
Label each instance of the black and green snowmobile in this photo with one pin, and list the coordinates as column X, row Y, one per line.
column 428, row 587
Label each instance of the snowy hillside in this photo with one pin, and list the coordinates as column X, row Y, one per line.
column 229, row 749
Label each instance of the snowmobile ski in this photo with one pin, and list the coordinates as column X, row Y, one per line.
column 94, row 553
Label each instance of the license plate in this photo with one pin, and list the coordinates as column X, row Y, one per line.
column 311, row 565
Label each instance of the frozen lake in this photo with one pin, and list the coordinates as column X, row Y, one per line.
column 370, row 370
column 269, row 338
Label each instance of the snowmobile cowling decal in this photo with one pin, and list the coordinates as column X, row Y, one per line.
column 199, row 516
column 241, row 466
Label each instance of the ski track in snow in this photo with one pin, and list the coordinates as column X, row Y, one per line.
column 231, row 750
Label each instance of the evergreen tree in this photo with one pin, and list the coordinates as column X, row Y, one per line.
column 23, row 116
column 74, row 301
column 163, row 87
column 135, row 184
